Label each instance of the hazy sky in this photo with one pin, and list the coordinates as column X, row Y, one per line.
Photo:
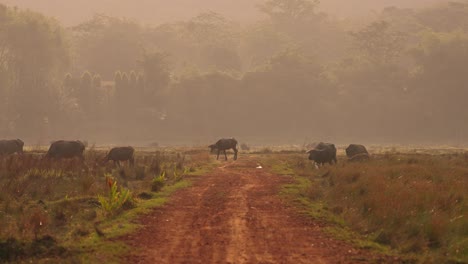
column 71, row 12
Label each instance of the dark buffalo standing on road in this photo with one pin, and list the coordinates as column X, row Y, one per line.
column 119, row 154
column 356, row 152
column 63, row 149
column 8, row 147
column 323, row 153
column 224, row 144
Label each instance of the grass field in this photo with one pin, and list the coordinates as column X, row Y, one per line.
column 405, row 201
column 60, row 209
column 412, row 202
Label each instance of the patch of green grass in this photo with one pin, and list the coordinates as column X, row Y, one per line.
column 107, row 247
column 204, row 169
column 276, row 164
column 95, row 251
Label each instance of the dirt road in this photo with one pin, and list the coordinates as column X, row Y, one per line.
column 234, row 215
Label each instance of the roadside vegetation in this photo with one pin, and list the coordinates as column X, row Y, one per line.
column 412, row 205
column 68, row 210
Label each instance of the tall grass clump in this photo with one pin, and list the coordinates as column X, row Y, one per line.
column 158, row 182
column 413, row 203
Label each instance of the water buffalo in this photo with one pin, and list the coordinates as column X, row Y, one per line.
column 63, row 149
column 224, row 144
column 119, row 154
column 357, row 152
column 8, row 147
column 323, row 153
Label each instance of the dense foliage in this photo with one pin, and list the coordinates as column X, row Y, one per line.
column 298, row 73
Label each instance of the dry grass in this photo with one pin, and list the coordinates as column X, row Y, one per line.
column 58, row 199
column 415, row 203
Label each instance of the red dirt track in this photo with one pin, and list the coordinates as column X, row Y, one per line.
column 234, row 215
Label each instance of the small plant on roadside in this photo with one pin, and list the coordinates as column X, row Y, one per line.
column 116, row 199
column 178, row 176
column 158, row 182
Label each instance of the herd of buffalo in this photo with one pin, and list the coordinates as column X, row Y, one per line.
column 322, row 153
column 63, row 149
column 326, row 153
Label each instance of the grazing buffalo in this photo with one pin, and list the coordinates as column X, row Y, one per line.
column 357, row 152
column 119, row 154
column 63, row 149
column 8, row 147
column 323, row 153
column 223, row 145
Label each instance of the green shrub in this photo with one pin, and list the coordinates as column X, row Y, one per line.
column 158, row 182
column 116, row 199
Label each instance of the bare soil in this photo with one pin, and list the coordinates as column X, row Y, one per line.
column 235, row 215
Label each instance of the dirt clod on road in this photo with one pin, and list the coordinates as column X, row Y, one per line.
column 234, row 215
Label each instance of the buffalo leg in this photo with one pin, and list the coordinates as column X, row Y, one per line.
column 235, row 153
column 217, row 157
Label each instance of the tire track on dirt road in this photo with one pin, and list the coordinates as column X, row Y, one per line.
column 234, row 215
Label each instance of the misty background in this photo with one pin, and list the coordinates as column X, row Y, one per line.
column 265, row 72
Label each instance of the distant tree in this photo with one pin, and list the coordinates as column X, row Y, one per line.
column 86, row 92
column 217, row 39
column 208, row 41
column 379, row 43
column 86, row 81
column 118, row 78
column 440, row 79
column 445, row 16
column 156, row 72
column 302, row 26
column 97, row 81
column 133, row 94
column 105, row 43
column 126, row 92
column 68, row 80
column 32, row 71
column 140, row 87
column 119, row 89
column 132, row 80
column 289, row 11
column 71, row 86
column 260, row 42
column 125, row 80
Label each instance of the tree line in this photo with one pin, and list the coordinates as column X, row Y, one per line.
column 398, row 76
